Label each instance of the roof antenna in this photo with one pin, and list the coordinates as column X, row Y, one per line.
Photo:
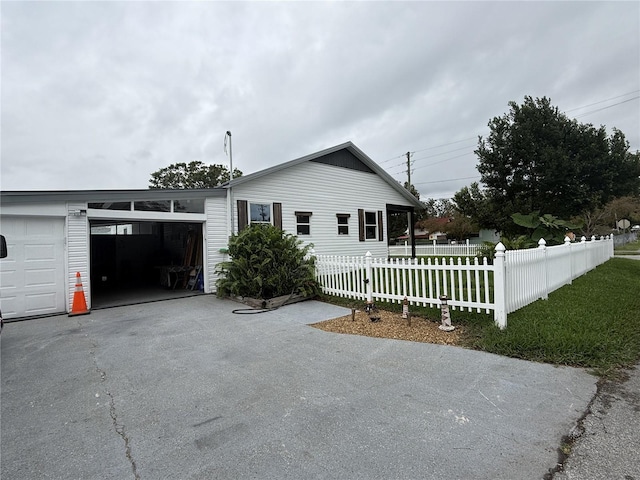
column 228, row 136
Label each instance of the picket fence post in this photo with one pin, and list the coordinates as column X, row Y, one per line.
column 567, row 243
column 368, row 279
column 611, row 245
column 542, row 243
column 499, row 287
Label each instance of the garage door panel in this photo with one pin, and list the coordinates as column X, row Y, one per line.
column 32, row 280
column 34, row 252
column 39, row 303
column 40, row 277
column 40, row 227
column 10, row 306
column 7, row 279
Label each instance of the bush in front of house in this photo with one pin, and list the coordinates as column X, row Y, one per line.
column 265, row 262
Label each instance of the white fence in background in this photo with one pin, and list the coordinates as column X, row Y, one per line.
column 515, row 279
column 435, row 250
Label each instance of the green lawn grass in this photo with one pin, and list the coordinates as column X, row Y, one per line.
column 592, row 323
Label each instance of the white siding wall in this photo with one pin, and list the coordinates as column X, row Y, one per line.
column 78, row 252
column 215, row 237
column 324, row 190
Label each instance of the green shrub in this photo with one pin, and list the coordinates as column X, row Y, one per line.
column 265, row 262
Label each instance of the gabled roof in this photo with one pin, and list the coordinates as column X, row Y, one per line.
column 350, row 147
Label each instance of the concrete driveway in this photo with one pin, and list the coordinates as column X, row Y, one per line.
column 184, row 389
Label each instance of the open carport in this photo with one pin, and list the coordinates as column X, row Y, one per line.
column 186, row 389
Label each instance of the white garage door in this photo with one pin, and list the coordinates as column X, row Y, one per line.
column 32, row 280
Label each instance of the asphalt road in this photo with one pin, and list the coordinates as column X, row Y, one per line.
column 184, row 389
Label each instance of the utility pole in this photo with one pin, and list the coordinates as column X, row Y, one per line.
column 410, row 223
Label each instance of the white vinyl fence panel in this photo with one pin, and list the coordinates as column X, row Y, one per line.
column 515, row 279
column 435, row 250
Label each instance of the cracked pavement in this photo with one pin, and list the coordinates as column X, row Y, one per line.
column 609, row 443
column 185, row 389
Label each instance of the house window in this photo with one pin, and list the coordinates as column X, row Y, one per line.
column 370, row 225
column 152, row 205
column 260, row 213
column 343, row 223
column 303, row 223
column 189, row 206
column 111, row 205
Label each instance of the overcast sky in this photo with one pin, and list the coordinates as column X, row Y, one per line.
column 98, row 95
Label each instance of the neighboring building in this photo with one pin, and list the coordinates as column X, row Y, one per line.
column 422, row 235
column 127, row 241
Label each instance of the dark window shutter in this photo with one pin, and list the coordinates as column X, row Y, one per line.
column 361, row 224
column 243, row 220
column 277, row 215
column 380, row 226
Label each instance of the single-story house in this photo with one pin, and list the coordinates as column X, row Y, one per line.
column 338, row 199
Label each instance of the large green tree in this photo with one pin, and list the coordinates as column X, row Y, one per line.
column 194, row 174
column 472, row 202
column 537, row 159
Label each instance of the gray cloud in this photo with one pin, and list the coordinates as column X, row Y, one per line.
column 101, row 94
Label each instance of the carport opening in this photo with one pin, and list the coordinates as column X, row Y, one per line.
column 137, row 262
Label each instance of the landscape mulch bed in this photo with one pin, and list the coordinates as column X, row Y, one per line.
column 392, row 325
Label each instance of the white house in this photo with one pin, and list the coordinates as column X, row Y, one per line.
column 129, row 242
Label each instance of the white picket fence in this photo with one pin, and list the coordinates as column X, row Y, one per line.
column 435, row 250
column 515, row 279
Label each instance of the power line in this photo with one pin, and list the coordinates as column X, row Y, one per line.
column 445, row 144
column 403, row 164
column 609, row 106
column 449, row 180
column 425, row 149
column 445, row 160
column 602, row 101
column 442, row 153
column 392, row 158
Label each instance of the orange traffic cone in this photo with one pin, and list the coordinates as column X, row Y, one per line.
column 79, row 306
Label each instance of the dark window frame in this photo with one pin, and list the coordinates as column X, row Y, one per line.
column 303, row 223
column 342, row 220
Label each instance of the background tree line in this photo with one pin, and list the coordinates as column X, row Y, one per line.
column 195, row 174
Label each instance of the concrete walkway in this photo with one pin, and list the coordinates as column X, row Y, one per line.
column 630, row 257
column 185, row 389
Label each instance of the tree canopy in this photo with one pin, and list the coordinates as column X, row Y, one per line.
column 194, row 174
column 537, row 159
column 458, row 226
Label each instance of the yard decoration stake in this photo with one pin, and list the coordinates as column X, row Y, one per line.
column 446, row 317
column 79, row 306
column 405, row 311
